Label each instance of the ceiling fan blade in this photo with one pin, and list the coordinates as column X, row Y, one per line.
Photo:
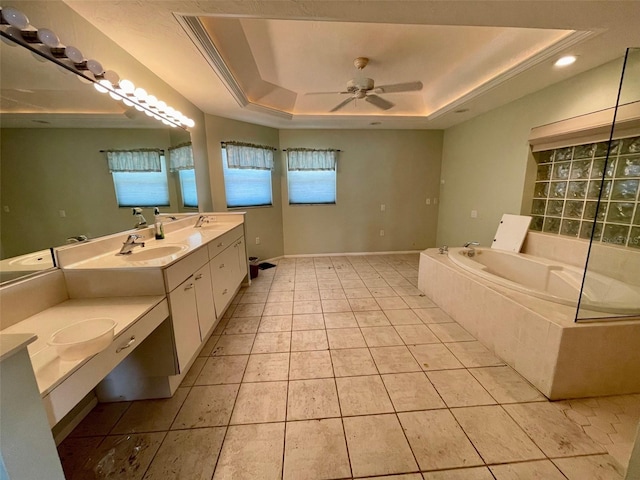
column 379, row 102
column 399, row 87
column 325, row 93
column 342, row 104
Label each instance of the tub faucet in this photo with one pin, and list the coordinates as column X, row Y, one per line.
column 130, row 243
column 471, row 251
column 443, row 249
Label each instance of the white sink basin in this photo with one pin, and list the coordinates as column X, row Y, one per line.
column 143, row 254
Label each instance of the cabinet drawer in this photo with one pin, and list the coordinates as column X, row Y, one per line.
column 65, row 396
column 184, row 268
column 223, row 241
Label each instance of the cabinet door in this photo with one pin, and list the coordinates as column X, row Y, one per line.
column 242, row 259
column 224, row 271
column 204, row 300
column 184, row 316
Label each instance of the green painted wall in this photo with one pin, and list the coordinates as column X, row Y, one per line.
column 486, row 162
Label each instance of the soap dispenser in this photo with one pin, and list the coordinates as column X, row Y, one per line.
column 158, row 224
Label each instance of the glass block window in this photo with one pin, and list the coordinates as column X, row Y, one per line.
column 568, row 182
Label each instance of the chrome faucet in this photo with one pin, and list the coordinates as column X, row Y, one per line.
column 202, row 219
column 471, row 251
column 443, row 249
column 142, row 222
column 130, row 243
column 78, row 239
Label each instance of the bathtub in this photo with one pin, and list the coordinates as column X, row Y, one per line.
column 522, row 308
column 549, row 280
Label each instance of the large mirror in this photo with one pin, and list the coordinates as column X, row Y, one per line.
column 55, row 182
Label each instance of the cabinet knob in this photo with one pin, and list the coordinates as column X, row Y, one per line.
column 188, row 287
column 127, row 345
column 221, row 265
column 220, row 244
column 199, row 276
column 224, row 292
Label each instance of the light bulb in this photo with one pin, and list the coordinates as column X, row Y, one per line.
column 49, row 38
column 111, row 76
column 170, row 111
column 115, row 96
column 161, row 106
column 190, row 123
column 127, row 86
column 127, row 102
column 73, row 54
column 565, row 61
column 140, row 94
column 166, row 122
column 138, row 107
column 152, row 101
column 101, row 86
column 15, row 17
column 148, row 113
column 95, row 67
column 14, row 33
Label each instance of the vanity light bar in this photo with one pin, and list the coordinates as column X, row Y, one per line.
column 15, row 25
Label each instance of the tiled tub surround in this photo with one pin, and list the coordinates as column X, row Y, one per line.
column 337, row 368
column 538, row 338
column 568, row 184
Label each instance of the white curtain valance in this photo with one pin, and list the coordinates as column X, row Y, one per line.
column 247, row 156
column 181, row 157
column 143, row 160
column 306, row 159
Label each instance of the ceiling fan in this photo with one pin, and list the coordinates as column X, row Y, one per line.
column 364, row 88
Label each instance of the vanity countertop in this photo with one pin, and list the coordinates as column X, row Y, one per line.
column 185, row 240
column 10, row 344
column 50, row 370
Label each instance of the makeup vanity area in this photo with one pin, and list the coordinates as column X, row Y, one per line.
column 165, row 305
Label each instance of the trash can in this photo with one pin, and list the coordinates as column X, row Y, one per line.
column 254, row 268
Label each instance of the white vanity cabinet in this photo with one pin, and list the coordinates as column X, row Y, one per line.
column 184, row 316
column 209, row 278
column 228, row 267
column 204, row 300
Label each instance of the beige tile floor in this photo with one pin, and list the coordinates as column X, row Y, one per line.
column 338, row 368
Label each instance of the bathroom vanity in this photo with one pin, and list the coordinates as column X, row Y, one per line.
column 166, row 298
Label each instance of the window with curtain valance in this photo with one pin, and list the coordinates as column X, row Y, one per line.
column 140, row 160
column 249, row 156
column 311, row 176
column 181, row 157
column 306, row 159
column 247, row 174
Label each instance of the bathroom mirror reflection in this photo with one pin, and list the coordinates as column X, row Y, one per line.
column 55, row 183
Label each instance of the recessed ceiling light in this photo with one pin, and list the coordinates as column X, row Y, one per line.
column 564, row 61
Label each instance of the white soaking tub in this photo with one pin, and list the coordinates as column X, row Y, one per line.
column 549, row 280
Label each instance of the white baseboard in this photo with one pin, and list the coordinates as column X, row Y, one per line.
column 350, row 254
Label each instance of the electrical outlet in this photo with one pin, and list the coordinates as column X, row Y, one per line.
column 428, row 201
column 62, row 213
column 383, row 207
column 474, row 214
column 257, row 240
column 382, row 233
